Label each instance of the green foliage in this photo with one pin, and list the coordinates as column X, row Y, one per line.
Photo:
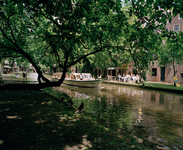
column 171, row 51
column 59, row 32
column 69, row 32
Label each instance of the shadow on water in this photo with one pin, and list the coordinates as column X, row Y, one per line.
column 156, row 116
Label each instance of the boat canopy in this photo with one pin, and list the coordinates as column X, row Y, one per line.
column 81, row 76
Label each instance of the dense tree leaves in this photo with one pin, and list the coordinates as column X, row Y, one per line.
column 67, row 32
column 171, row 52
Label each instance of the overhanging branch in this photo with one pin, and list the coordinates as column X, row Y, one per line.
column 99, row 50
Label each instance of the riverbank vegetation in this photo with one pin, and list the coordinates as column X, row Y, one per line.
column 163, row 86
column 152, row 85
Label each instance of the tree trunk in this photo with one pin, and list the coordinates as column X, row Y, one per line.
column 34, row 64
column 39, row 79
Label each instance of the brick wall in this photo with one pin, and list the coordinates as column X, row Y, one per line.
column 179, row 69
column 149, row 76
column 175, row 20
column 169, row 73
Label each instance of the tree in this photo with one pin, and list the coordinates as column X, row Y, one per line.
column 66, row 32
column 144, row 42
column 171, row 51
column 65, row 29
column 141, row 40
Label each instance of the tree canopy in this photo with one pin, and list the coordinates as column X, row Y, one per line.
column 68, row 31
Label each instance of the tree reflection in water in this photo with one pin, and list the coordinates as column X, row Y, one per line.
column 156, row 115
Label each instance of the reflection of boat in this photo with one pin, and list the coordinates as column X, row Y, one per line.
column 79, row 79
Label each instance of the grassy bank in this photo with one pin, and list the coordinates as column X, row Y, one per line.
column 164, row 87
column 35, row 120
column 151, row 85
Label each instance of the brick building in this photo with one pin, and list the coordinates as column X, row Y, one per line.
column 176, row 24
column 162, row 73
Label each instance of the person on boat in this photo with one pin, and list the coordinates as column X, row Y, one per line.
column 81, row 77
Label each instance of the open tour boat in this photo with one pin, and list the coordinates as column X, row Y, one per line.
column 79, row 79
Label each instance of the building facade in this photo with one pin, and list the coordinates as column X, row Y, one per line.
column 166, row 73
column 176, row 24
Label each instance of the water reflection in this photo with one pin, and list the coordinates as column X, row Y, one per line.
column 155, row 115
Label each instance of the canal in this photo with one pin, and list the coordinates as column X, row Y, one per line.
column 154, row 115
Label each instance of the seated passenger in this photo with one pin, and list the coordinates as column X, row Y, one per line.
column 81, row 77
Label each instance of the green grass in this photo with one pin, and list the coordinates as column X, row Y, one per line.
column 151, row 85
column 13, row 76
column 162, row 86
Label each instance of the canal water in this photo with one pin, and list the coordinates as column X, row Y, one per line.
column 155, row 115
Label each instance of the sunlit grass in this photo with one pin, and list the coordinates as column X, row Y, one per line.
column 162, row 86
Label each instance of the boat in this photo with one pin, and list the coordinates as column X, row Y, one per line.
column 79, row 79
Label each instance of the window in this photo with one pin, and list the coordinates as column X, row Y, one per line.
column 154, row 71
column 179, row 17
column 181, row 75
column 176, row 27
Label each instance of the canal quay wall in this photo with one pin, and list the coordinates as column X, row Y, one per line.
column 150, row 85
column 168, row 87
